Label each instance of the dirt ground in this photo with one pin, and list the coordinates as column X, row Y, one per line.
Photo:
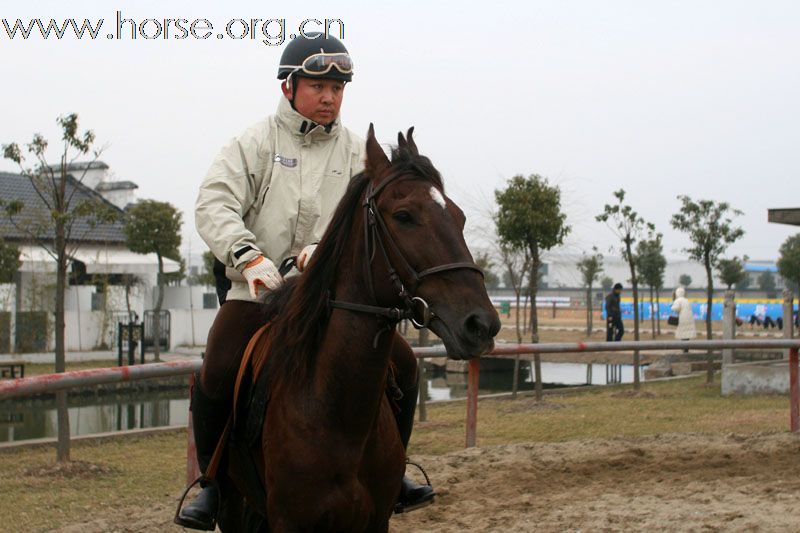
column 671, row 482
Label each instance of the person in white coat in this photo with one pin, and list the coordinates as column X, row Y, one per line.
column 683, row 309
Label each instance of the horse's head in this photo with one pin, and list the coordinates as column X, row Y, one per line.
column 418, row 232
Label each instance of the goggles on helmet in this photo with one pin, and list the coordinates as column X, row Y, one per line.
column 319, row 64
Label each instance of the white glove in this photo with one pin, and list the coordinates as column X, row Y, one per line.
column 305, row 255
column 261, row 272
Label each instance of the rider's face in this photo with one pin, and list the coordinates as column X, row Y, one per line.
column 317, row 99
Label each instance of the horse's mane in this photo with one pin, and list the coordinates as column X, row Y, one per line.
column 299, row 309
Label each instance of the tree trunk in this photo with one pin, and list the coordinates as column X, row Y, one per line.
column 709, row 296
column 589, row 311
column 635, row 285
column 514, row 385
column 63, row 444
column 128, row 297
column 518, row 290
column 157, row 317
column 525, row 315
column 652, row 316
column 533, row 288
column 658, row 311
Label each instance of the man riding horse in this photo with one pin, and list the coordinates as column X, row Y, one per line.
column 268, row 196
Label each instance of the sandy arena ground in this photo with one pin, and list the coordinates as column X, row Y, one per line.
column 674, row 482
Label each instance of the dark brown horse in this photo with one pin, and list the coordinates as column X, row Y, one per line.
column 330, row 456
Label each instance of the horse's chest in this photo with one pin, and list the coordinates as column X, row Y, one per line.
column 319, row 478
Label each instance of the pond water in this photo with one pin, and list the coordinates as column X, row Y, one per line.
column 25, row 420
column 450, row 385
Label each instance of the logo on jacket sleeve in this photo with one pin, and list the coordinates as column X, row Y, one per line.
column 288, row 162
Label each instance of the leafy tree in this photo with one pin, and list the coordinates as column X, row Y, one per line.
column 206, row 276
column 175, row 278
column 685, row 280
column 591, row 267
column 789, row 261
column 629, row 227
column 129, row 281
column 711, row 230
column 490, row 279
column 651, row 264
column 766, row 282
column 516, row 263
column 155, row 227
column 64, row 220
column 607, row 282
column 9, row 261
column 744, row 283
column 530, row 218
column 731, row 271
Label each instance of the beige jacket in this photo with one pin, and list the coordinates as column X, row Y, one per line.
column 683, row 308
column 273, row 189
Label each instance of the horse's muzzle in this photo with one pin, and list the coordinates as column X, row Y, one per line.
column 473, row 336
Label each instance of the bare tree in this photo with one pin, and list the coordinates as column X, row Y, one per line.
column 591, row 267
column 629, row 227
column 65, row 220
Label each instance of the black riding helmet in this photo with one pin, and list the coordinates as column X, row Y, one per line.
column 316, row 56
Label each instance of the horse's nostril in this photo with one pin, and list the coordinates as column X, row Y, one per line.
column 477, row 325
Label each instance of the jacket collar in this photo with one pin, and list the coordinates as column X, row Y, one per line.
column 303, row 127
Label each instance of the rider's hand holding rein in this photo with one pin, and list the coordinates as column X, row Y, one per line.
column 305, row 256
column 261, row 272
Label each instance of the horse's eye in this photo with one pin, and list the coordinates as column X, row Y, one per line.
column 404, row 217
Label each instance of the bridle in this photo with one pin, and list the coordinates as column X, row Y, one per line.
column 376, row 237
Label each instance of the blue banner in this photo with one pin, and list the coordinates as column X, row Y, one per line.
column 743, row 310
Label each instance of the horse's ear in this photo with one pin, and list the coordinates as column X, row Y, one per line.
column 412, row 146
column 377, row 162
column 401, row 141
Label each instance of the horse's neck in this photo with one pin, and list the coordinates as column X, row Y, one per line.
column 351, row 372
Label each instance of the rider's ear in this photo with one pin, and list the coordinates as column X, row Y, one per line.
column 377, row 162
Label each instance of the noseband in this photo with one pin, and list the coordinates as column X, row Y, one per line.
column 376, row 237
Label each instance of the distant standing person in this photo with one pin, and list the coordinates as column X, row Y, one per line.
column 683, row 308
column 614, row 328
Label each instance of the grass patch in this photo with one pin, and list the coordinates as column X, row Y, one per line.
column 38, row 369
column 143, row 471
column 106, row 476
column 680, row 406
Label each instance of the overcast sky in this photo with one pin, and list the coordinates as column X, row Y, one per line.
column 658, row 98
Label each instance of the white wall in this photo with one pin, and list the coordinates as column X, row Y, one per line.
column 86, row 330
column 190, row 328
column 184, row 297
column 120, row 197
column 78, row 298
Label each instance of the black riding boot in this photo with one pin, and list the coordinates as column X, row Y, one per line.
column 412, row 495
column 208, row 420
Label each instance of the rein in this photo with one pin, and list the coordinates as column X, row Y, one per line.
column 376, row 236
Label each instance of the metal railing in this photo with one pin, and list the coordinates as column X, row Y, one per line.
column 81, row 378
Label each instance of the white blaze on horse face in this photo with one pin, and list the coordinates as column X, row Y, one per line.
column 438, row 198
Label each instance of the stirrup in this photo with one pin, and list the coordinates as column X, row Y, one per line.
column 400, row 508
column 177, row 518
